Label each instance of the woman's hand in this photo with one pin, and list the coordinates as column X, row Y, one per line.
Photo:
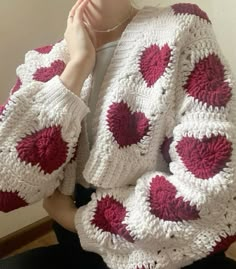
column 62, row 209
column 81, row 41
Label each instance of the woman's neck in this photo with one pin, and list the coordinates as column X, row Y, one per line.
column 105, row 14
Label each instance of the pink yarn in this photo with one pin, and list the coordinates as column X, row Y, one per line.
column 207, row 83
column 10, row 201
column 75, row 153
column 44, row 74
column 224, row 243
column 153, row 63
column 191, row 9
column 207, row 157
column 45, row 49
column 108, row 217
column 127, row 128
column 166, row 206
column 44, row 148
column 2, row 107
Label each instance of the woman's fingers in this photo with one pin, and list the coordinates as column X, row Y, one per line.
column 79, row 43
column 80, row 11
column 72, row 11
column 86, row 15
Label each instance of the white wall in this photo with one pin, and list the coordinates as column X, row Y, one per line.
column 26, row 24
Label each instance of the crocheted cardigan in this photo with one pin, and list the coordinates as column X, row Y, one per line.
column 163, row 161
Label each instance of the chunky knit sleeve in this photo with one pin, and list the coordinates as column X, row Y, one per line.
column 168, row 220
column 39, row 128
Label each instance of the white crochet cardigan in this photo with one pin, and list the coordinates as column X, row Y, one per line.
column 163, row 160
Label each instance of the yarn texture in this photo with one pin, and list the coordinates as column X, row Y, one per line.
column 163, row 160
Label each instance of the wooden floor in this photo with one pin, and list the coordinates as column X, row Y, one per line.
column 50, row 239
column 231, row 252
column 45, row 240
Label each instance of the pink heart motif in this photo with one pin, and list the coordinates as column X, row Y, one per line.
column 45, row 148
column 10, row 201
column 153, row 63
column 191, row 9
column 207, row 82
column 165, row 206
column 207, row 157
column 44, row 74
column 109, row 215
column 128, row 128
column 45, row 49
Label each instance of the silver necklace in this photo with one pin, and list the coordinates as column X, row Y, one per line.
column 113, row 28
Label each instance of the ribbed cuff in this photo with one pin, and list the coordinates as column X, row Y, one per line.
column 56, row 97
column 85, row 241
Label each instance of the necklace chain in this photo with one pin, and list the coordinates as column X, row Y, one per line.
column 113, row 28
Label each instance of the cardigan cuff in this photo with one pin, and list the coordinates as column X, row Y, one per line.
column 86, row 243
column 54, row 96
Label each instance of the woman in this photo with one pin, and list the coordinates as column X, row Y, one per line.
column 153, row 154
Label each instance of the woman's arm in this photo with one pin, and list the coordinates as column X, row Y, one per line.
column 39, row 129
column 67, row 209
column 41, row 122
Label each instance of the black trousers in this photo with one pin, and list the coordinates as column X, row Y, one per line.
column 68, row 252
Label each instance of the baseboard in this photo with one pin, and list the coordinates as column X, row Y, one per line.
column 24, row 236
